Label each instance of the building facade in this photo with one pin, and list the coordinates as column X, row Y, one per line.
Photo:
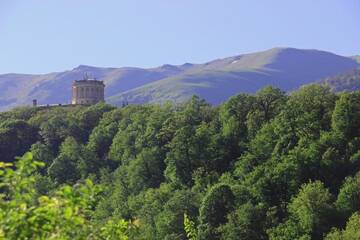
column 88, row 91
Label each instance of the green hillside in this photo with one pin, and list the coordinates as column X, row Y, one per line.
column 286, row 68
column 268, row 165
column 347, row 81
column 216, row 81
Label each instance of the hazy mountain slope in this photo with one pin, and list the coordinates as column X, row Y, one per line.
column 356, row 58
column 287, row 68
column 20, row 89
column 215, row 81
column 347, row 81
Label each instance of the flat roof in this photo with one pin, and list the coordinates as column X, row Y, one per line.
column 89, row 81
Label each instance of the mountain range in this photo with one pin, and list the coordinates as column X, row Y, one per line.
column 216, row 81
column 347, row 81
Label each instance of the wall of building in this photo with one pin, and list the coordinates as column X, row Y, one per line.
column 87, row 92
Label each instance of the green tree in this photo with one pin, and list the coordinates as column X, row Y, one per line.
column 146, row 207
column 89, row 118
column 127, row 142
column 16, row 137
column 306, row 114
column 268, row 103
column 217, row 203
column 67, row 214
column 169, row 223
column 190, row 229
column 102, row 135
column 146, row 171
column 348, row 200
column 189, row 150
column 55, row 130
column 311, row 214
column 73, row 162
column 244, row 223
column 233, row 116
column 42, row 152
column 346, row 116
column 351, row 232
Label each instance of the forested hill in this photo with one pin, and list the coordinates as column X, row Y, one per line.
column 263, row 166
column 347, row 81
column 357, row 58
column 215, row 81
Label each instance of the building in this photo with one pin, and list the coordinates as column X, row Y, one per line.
column 87, row 91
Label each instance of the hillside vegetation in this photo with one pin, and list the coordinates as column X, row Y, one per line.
column 262, row 166
column 347, row 81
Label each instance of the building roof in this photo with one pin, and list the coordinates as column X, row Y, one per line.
column 88, row 81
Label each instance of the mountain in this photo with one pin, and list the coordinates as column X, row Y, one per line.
column 347, row 81
column 356, row 58
column 287, row 68
column 20, row 89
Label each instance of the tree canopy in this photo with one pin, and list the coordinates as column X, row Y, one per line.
column 261, row 166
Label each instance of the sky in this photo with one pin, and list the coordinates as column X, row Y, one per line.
column 41, row 36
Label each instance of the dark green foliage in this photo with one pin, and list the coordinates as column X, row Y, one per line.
column 346, row 117
column 73, row 162
column 146, row 171
column 262, row 166
column 348, row 200
column 311, row 214
column 312, row 209
column 55, row 130
column 102, row 136
column 42, row 152
column 351, row 232
column 89, row 118
column 217, row 203
column 16, row 137
column 20, row 113
column 233, row 115
column 244, row 223
column 63, row 169
column 191, row 148
column 268, row 103
column 170, row 220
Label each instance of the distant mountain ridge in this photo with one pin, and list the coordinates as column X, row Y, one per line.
column 287, row 68
column 344, row 82
column 356, row 58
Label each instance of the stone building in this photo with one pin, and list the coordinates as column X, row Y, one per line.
column 87, row 91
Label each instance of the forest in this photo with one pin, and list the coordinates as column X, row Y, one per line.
column 268, row 165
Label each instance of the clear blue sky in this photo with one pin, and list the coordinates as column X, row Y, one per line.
column 40, row 36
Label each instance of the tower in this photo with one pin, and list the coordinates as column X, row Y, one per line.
column 87, row 91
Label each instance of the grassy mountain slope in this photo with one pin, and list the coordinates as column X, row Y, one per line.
column 215, row 81
column 356, row 58
column 287, row 68
column 347, row 81
column 20, row 89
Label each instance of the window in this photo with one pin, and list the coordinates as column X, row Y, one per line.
column 87, row 92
